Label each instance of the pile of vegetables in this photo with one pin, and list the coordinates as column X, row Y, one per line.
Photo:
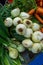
column 23, row 26
column 19, row 31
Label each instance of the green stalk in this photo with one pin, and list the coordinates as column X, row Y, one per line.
column 6, row 61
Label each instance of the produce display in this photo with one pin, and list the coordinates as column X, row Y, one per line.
column 21, row 28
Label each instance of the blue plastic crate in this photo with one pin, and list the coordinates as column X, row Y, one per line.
column 38, row 60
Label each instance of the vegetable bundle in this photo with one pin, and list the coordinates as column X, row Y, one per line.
column 18, row 31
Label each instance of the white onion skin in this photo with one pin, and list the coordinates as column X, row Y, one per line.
column 21, row 29
column 28, row 23
column 27, row 43
column 21, row 48
column 17, row 21
column 35, row 27
column 28, row 33
column 13, row 53
column 36, row 48
column 24, row 15
column 15, row 12
column 8, row 22
column 37, row 36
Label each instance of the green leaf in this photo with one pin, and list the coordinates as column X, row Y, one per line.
column 0, row 6
column 2, row 63
column 34, row 20
column 6, row 61
column 2, row 26
column 2, row 33
column 2, row 60
column 25, row 5
column 1, row 54
column 13, row 61
column 18, row 61
column 2, row 40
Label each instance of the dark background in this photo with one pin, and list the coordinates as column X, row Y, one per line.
column 2, row 2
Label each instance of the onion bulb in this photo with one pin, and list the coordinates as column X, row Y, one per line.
column 35, row 27
column 21, row 29
column 37, row 36
column 15, row 12
column 17, row 21
column 24, row 15
column 13, row 53
column 36, row 48
column 28, row 33
column 8, row 22
column 27, row 43
column 21, row 48
column 27, row 22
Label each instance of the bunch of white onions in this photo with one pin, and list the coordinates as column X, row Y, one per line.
column 24, row 26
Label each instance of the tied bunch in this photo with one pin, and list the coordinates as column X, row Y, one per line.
column 21, row 25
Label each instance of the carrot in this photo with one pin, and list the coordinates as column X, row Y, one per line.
column 31, row 11
column 39, row 10
column 38, row 17
column 41, row 30
column 41, row 3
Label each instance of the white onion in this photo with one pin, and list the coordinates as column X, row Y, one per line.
column 24, row 15
column 28, row 33
column 35, row 27
column 17, row 21
column 27, row 43
column 21, row 48
column 36, row 48
column 37, row 36
column 8, row 22
column 13, row 53
column 21, row 29
column 27, row 22
column 15, row 12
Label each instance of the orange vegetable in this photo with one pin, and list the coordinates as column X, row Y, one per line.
column 38, row 17
column 41, row 3
column 39, row 10
column 41, row 30
column 31, row 11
